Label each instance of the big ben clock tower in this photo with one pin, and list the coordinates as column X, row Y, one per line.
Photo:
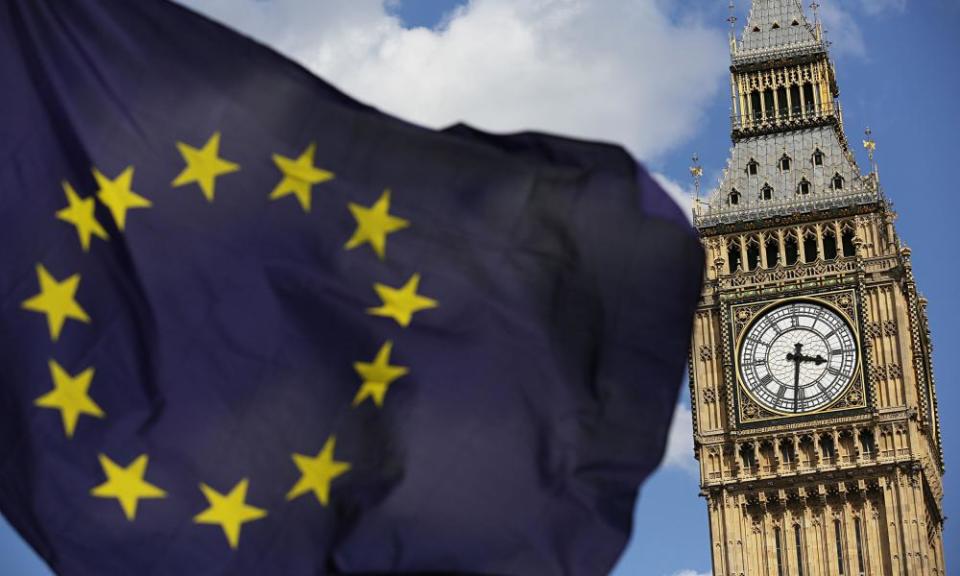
column 815, row 413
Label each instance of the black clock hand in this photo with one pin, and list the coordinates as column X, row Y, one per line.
column 796, row 358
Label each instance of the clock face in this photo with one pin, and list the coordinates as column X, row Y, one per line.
column 798, row 357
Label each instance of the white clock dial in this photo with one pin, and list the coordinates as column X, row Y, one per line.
column 798, row 357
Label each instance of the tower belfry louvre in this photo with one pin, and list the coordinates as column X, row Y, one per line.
column 815, row 414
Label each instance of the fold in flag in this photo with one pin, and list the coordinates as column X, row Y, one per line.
column 251, row 326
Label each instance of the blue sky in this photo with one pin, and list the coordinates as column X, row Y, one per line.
column 896, row 63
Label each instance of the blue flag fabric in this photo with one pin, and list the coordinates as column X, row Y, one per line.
column 251, row 326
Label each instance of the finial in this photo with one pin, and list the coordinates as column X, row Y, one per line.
column 871, row 145
column 815, row 7
column 696, row 170
column 732, row 35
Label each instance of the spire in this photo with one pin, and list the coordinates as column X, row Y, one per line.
column 777, row 25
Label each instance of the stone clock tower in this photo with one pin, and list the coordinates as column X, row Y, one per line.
column 815, row 413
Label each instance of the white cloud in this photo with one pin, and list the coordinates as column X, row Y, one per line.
column 874, row 7
column 577, row 67
column 690, row 573
column 679, row 453
column 842, row 31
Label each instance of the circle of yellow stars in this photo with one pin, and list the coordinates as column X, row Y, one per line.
column 57, row 301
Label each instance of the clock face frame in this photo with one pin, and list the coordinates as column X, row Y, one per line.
column 797, row 357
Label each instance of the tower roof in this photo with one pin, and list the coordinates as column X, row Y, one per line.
column 790, row 155
column 765, row 186
column 774, row 27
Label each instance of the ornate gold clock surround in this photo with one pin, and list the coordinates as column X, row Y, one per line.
column 748, row 411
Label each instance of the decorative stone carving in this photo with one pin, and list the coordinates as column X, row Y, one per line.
column 894, row 371
column 889, row 328
column 878, row 374
column 706, row 353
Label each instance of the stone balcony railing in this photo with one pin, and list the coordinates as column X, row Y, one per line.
column 800, row 273
column 712, row 212
column 851, row 448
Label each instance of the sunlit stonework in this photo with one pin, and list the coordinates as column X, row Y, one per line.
column 815, row 414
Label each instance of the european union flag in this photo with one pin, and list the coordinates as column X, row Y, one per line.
column 251, row 326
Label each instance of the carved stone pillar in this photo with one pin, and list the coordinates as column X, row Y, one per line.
column 819, row 231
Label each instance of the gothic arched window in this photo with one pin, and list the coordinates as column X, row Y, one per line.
column 839, row 540
column 837, row 182
column 846, row 242
column 791, row 249
column 817, row 157
column 803, row 187
column 808, row 98
column 734, row 197
column 795, row 99
column 753, row 167
column 753, row 253
column 829, row 244
column 766, row 192
column 772, row 249
column 866, row 442
column 860, row 534
column 734, row 255
column 785, row 162
column 775, row 26
column 810, row 246
column 798, row 540
column 779, row 548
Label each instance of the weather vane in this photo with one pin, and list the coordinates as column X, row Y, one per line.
column 696, row 170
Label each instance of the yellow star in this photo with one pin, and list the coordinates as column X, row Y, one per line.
column 126, row 484
column 203, row 165
column 401, row 303
column 117, row 195
column 377, row 376
column 69, row 396
column 230, row 511
column 56, row 300
column 317, row 473
column 374, row 223
column 299, row 176
column 80, row 214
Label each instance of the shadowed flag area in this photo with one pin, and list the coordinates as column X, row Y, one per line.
column 251, row 326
